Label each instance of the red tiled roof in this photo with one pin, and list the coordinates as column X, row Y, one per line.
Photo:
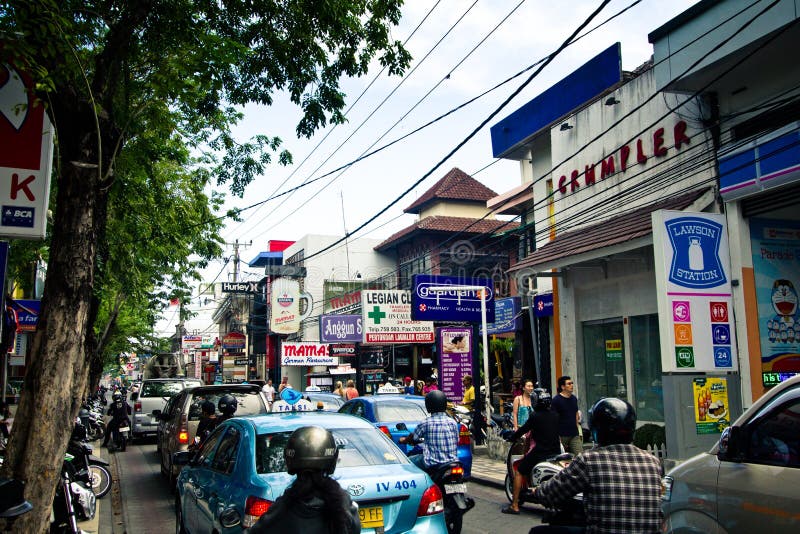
column 626, row 227
column 441, row 223
column 455, row 185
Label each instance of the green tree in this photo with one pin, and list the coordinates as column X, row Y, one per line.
column 167, row 74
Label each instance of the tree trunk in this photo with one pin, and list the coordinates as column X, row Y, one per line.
column 57, row 375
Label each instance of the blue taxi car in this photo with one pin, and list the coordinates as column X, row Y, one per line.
column 240, row 471
column 398, row 415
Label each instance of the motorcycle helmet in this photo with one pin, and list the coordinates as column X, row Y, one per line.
column 227, row 405
column 311, row 448
column 542, row 399
column 116, row 396
column 435, row 401
column 612, row 421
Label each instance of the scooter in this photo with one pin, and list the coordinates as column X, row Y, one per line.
column 542, row 471
column 119, row 436
column 92, row 470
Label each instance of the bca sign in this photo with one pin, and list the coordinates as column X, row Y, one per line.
column 26, row 156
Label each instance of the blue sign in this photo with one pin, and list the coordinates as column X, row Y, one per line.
column 722, row 357
column 450, row 305
column 28, row 314
column 543, row 305
column 721, row 334
column 506, row 316
column 340, row 329
column 695, row 247
column 21, row 216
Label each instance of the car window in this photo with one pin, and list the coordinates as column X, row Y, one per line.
column 205, row 455
column 329, row 403
column 358, row 409
column 357, row 447
column 160, row 389
column 248, row 403
column 224, row 458
column 396, row 412
column 775, row 437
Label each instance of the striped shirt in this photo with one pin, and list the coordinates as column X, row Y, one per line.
column 440, row 433
column 621, row 486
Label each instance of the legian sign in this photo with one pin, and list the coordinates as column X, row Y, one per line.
column 26, row 156
column 452, row 305
column 694, row 292
column 387, row 318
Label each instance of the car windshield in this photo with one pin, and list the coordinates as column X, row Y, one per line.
column 161, row 389
column 248, row 402
column 329, row 403
column 357, row 447
column 398, row 412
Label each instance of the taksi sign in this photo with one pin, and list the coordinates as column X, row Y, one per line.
column 26, row 155
column 386, row 318
column 432, row 301
column 240, row 287
column 306, row 353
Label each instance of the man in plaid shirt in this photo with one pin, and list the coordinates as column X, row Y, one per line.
column 621, row 484
column 439, row 432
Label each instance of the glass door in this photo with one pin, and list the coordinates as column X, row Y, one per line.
column 604, row 360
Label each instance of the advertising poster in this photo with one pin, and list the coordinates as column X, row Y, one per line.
column 711, row 405
column 776, row 265
column 693, row 283
column 455, row 357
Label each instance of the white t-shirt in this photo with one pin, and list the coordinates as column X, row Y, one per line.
column 269, row 391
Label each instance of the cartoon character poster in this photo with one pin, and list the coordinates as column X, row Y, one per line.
column 776, row 264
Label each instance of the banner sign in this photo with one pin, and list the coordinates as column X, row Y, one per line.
column 387, row 318
column 693, row 287
column 234, row 340
column 285, row 306
column 506, row 316
column 306, row 353
column 340, row 329
column 776, row 265
column 543, row 305
column 347, row 350
column 27, row 314
column 455, row 357
column 711, row 405
column 430, row 304
column 241, row 287
column 191, row 342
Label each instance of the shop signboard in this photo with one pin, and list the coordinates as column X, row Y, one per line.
column 285, row 300
column 344, row 296
column 234, row 340
column 27, row 314
column 776, row 266
column 191, row 342
column 347, row 350
column 711, row 405
column 340, row 329
column 453, row 305
column 543, row 305
column 386, row 318
column 506, row 316
column 455, row 360
column 693, row 285
column 306, row 353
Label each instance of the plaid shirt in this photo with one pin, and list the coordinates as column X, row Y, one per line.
column 621, row 487
column 440, row 433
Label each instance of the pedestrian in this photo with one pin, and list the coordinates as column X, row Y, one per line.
column 468, row 400
column 284, row 384
column 314, row 503
column 339, row 390
column 350, row 392
column 565, row 404
column 430, row 385
column 620, row 483
column 522, row 406
column 409, row 386
column 420, row 387
column 269, row 391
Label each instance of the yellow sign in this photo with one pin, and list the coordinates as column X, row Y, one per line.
column 711, row 405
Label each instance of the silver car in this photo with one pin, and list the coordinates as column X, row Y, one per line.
column 750, row 481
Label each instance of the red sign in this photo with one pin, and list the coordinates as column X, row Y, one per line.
column 233, row 340
column 719, row 312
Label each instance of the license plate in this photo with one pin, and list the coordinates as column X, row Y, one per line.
column 455, row 488
column 124, row 429
column 371, row 517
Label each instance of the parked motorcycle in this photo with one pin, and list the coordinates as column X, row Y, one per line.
column 63, row 517
column 12, row 501
column 92, row 470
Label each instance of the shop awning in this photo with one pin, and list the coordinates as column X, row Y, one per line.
column 626, row 231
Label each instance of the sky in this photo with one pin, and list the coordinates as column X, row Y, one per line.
column 481, row 43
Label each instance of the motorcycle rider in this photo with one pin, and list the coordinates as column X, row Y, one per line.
column 208, row 422
column 119, row 412
column 543, row 426
column 314, row 503
column 621, row 484
column 438, row 435
column 226, row 405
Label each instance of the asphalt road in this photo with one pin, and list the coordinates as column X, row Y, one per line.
column 145, row 503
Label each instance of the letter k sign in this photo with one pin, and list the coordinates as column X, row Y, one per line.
column 17, row 186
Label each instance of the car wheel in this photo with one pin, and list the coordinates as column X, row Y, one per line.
column 179, row 528
column 171, row 476
column 163, row 467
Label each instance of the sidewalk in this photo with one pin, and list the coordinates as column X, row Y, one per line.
column 487, row 471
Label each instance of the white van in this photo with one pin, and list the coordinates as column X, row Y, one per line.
column 153, row 395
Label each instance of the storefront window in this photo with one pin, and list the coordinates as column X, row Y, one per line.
column 604, row 358
column 646, row 353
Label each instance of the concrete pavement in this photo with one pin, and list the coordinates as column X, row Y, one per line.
column 485, row 470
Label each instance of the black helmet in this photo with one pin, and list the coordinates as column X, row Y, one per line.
column 227, row 405
column 207, row 407
column 435, row 401
column 311, row 448
column 611, row 421
column 117, row 395
column 542, row 399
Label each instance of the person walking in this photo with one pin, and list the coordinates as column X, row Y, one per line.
column 350, row 392
column 468, row 400
column 314, row 503
column 339, row 390
column 269, row 391
column 409, row 386
column 565, row 404
column 284, row 384
column 522, row 406
column 430, row 385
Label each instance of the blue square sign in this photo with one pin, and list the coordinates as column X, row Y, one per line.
column 21, row 216
column 722, row 357
column 432, row 300
column 721, row 334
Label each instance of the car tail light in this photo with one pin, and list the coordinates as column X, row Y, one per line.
column 183, row 432
column 464, row 436
column 431, row 502
column 254, row 508
column 137, row 406
column 385, row 430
